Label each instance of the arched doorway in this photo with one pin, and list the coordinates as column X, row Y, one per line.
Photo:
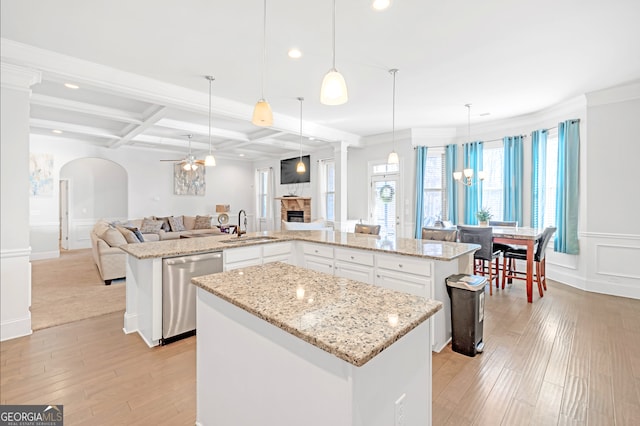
column 90, row 189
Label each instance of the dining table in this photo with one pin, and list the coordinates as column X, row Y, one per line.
column 520, row 236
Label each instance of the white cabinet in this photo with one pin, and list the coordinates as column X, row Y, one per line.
column 241, row 257
column 278, row 252
column 318, row 257
column 354, row 264
column 401, row 273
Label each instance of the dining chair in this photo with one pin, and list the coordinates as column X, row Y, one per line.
column 363, row 228
column 486, row 259
column 500, row 246
column 509, row 271
column 440, row 234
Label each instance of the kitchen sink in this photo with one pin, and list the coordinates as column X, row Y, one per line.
column 241, row 240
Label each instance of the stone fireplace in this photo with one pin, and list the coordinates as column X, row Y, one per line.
column 295, row 209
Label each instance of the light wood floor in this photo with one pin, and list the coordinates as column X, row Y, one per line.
column 569, row 358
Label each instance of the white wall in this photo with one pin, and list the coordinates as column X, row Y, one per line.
column 149, row 185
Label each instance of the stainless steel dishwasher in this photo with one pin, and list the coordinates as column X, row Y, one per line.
column 179, row 295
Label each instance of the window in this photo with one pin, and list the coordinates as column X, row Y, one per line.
column 328, row 189
column 435, row 190
column 262, row 177
column 492, row 186
column 383, row 206
column 551, row 178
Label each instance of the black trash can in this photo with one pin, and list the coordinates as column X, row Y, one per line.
column 467, row 312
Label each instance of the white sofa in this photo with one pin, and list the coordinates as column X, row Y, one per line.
column 107, row 237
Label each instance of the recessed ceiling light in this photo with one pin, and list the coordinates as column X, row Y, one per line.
column 484, row 114
column 311, row 138
column 241, row 155
column 381, row 4
column 57, row 132
column 294, row 53
column 71, row 86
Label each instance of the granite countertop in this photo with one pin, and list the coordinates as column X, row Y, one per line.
column 438, row 250
column 351, row 320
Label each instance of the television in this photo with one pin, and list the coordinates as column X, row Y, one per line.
column 288, row 172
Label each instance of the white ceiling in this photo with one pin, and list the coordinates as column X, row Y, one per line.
column 144, row 61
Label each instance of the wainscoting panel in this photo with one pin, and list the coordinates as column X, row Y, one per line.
column 612, row 264
column 80, row 233
column 15, row 293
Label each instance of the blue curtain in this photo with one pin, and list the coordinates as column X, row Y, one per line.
column 512, row 179
column 472, row 159
column 421, row 165
column 451, row 160
column 538, row 176
column 566, row 240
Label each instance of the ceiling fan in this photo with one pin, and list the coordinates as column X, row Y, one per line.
column 189, row 163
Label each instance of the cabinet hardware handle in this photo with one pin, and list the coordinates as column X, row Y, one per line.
column 352, row 257
column 400, row 265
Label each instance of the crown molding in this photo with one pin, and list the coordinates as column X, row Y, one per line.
column 621, row 93
column 17, row 77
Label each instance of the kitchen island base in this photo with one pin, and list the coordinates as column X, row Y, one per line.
column 252, row 372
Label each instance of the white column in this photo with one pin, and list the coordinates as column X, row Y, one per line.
column 340, row 156
column 15, row 280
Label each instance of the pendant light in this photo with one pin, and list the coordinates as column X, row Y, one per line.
column 468, row 173
column 334, row 88
column 262, row 114
column 300, row 168
column 393, row 156
column 210, row 160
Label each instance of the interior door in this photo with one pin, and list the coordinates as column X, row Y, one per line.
column 384, row 208
column 64, row 214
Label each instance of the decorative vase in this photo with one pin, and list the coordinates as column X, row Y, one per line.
column 483, row 223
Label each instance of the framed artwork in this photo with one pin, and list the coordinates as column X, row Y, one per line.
column 40, row 175
column 188, row 182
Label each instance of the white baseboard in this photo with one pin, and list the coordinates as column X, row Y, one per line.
column 53, row 254
column 15, row 328
column 130, row 323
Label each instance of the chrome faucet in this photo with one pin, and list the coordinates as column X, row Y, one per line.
column 240, row 231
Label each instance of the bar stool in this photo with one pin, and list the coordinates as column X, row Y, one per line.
column 440, row 234
column 363, row 228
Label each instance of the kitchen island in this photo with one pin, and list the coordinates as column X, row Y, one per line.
column 279, row 344
column 417, row 267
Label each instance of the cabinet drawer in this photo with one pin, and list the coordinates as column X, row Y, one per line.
column 318, row 250
column 241, row 254
column 274, row 249
column 403, row 264
column 406, row 283
column 355, row 256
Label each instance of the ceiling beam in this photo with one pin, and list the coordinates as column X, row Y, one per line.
column 147, row 123
column 71, row 128
column 199, row 129
column 86, row 108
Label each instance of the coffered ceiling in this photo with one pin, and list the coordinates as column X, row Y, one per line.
column 140, row 66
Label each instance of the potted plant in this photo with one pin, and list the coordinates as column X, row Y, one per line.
column 483, row 215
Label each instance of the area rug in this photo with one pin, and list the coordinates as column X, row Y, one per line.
column 69, row 288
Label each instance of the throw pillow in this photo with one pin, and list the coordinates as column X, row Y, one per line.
column 128, row 235
column 202, row 222
column 136, row 232
column 150, row 226
column 165, row 223
column 176, row 223
column 113, row 237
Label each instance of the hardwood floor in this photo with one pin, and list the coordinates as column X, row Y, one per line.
column 569, row 358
